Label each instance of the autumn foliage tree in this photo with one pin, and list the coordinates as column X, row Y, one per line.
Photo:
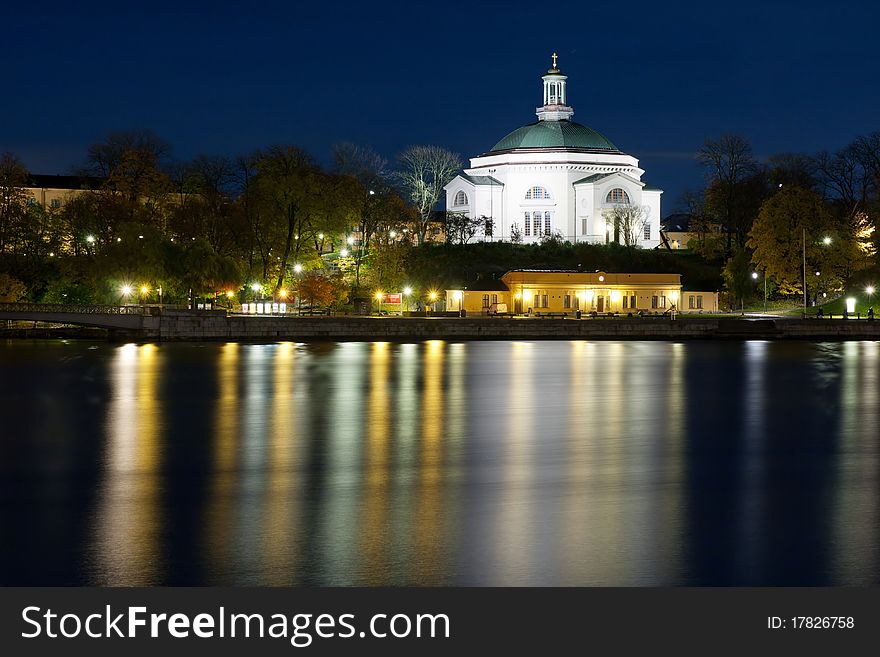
column 317, row 289
column 792, row 218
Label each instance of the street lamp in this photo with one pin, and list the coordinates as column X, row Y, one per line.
column 755, row 277
column 826, row 241
column 297, row 268
column 379, row 297
column 126, row 291
column 344, row 253
column 406, row 292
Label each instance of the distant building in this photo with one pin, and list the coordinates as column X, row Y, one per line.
column 54, row 191
column 675, row 231
column 680, row 231
column 557, row 178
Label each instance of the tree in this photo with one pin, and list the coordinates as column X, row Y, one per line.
column 738, row 276
column 317, row 289
column 200, row 270
column 388, row 265
column 793, row 170
column 850, row 179
column 777, row 241
column 628, row 221
column 11, row 289
column 370, row 170
column 425, row 171
column 461, row 229
column 13, row 199
column 728, row 162
column 135, row 187
column 488, row 227
column 204, row 188
column 516, row 236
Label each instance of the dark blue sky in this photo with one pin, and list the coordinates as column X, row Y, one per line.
column 656, row 78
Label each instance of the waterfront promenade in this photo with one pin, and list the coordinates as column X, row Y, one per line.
column 173, row 325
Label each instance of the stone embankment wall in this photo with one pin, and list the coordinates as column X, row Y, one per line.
column 217, row 326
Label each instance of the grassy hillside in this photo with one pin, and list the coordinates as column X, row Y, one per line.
column 448, row 266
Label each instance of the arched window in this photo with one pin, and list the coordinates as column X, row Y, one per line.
column 537, row 193
column 460, row 199
column 618, row 196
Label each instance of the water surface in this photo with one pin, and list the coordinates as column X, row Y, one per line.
column 438, row 463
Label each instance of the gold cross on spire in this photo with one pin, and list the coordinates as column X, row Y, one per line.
column 554, row 60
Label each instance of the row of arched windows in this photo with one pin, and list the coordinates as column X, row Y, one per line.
column 616, row 196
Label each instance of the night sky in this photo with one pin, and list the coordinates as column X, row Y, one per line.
column 656, row 78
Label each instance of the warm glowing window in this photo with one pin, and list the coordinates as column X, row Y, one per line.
column 460, row 199
column 537, row 193
column 617, row 195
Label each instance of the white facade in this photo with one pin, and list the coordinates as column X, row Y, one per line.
column 568, row 182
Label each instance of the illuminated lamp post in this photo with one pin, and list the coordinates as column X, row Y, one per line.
column 297, row 269
column 755, row 277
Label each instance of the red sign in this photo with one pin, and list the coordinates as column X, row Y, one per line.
column 393, row 298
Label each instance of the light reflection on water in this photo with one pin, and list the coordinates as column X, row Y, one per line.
column 478, row 463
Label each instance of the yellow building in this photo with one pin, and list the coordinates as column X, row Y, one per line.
column 536, row 292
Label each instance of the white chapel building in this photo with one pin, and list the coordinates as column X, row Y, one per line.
column 554, row 177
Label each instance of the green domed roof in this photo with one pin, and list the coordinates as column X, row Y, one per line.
column 554, row 134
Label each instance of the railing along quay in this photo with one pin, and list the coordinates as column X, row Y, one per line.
column 83, row 309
